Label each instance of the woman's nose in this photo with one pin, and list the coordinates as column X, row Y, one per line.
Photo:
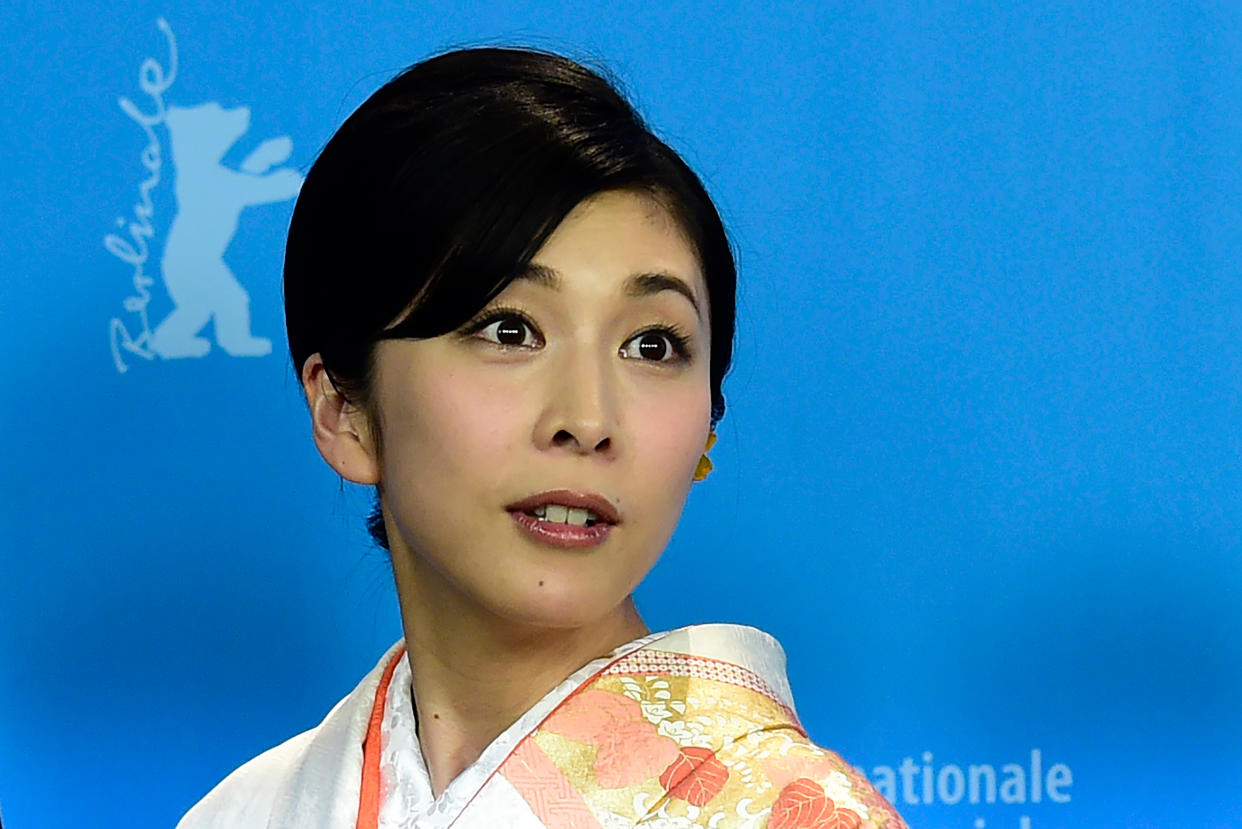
column 579, row 414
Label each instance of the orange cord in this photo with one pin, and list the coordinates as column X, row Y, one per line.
column 368, row 800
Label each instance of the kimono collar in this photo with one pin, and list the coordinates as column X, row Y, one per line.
column 740, row 645
column 323, row 787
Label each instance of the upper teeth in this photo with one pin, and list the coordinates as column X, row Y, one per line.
column 558, row 514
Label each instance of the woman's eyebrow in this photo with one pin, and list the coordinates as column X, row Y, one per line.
column 646, row 284
column 637, row 285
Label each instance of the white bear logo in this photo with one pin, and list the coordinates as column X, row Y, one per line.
column 210, row 198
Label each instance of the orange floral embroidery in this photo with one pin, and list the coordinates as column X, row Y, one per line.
column 696, row 776
column 803, row 805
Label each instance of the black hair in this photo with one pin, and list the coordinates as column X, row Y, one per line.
column 439, row 190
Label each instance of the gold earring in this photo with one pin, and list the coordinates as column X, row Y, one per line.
column 705, row 463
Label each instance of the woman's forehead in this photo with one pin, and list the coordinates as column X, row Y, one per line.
column 628, row 241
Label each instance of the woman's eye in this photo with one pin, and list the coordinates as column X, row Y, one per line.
column 656, row 346
column 511, row 331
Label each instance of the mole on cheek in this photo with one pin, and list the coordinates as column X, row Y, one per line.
column 541, row 582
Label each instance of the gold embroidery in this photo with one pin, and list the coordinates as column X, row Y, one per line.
column 702, row 750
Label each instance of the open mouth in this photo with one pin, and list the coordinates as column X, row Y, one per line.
column 565, row 506
column 561, row 514
column 565, row 518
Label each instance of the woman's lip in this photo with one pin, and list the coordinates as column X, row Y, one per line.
column 595, row 502
column 562, row 535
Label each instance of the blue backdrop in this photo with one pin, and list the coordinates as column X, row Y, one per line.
column 982, row 467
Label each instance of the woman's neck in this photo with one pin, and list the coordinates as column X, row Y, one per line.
column 474, row 673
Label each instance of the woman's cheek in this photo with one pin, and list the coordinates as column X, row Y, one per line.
column 674, row 428
column 472, row 413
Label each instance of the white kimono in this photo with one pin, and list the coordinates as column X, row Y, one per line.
column 693, row 727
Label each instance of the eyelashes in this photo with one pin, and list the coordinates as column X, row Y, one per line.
column 678, row 345
column 493, row 318
column 511, row 328
column 501, row 324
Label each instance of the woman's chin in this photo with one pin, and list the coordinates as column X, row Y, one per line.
column 565, row 607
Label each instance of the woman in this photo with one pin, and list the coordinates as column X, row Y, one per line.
column 511, row 308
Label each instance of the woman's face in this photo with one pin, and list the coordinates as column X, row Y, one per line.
column 583, row 386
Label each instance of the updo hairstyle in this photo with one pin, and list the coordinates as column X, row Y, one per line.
column 438, row 191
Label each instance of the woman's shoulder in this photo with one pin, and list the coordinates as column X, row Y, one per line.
column 806, row 785
column 315, row 772
column 700, row 726
column 733, row 755
column 246, row 796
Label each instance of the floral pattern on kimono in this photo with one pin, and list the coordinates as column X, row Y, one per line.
column 675, row 740
column 690, row 728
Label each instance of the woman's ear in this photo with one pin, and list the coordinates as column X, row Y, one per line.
column 340, row 429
